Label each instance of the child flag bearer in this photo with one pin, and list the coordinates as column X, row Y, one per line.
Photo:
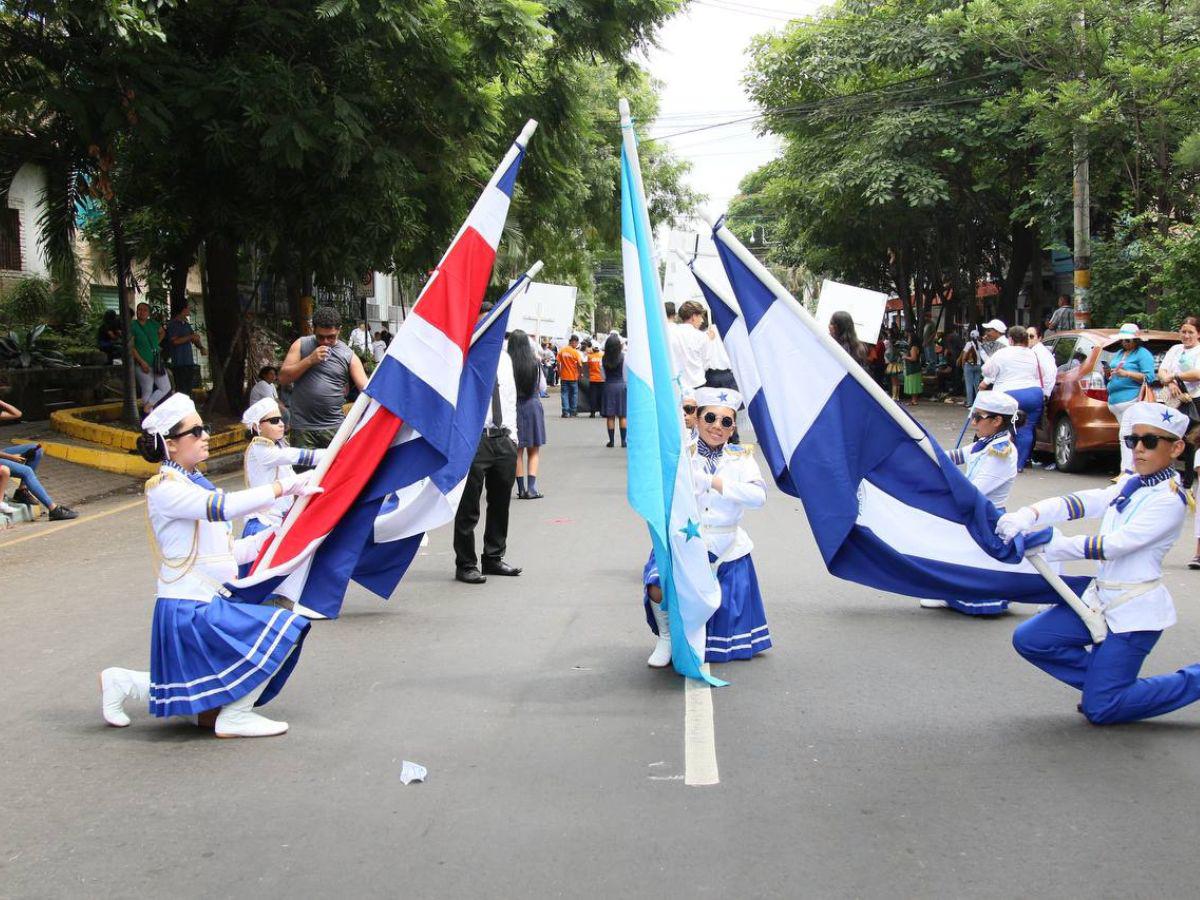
column 1140, row 520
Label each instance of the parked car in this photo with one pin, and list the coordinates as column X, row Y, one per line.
column 1077, row 423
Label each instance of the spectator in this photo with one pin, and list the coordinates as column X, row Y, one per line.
column 1049, row 368
column 5, row 509
column 842, row 330
column 928, row 336
column 1063, row 318
column 954, row 347
column 1130, row 367
column 360, row 338
column 321, row 369
column 531, row 418
column 22, row 461
column 690, row 345
column 972, row 367
column 993, row 339
column 110, row 335
column 613, row 401
column 595, row 369
column 1018, row 371
column 149, row 367
column 495, row 465
column 893, row 364
column 913, row 382
column 570, row 361
column 181, row 338
column 265, row 388
column 379, row 348
column 1180, row 368
column 384, row 334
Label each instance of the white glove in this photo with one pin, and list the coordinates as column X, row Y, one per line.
column 298, row 485
column 1014, row 523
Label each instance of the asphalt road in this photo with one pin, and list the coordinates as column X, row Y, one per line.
column 879, row 750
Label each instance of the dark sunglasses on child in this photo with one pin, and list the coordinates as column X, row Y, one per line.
column 711, row 417
column 1150, row 440
column 195, row 431
column 689, row 408
column 979, row 417
column 273, row 420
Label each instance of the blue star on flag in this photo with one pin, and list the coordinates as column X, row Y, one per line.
column 691, row 529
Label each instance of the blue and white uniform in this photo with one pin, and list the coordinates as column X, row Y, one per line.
column 207, row 651
column 738, row 629
column 1140, row 519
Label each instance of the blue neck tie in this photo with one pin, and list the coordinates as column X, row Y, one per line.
column 1131, row 486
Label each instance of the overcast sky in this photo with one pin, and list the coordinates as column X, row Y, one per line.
column 701, row 61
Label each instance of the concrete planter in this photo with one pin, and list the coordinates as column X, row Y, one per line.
column 31, row 390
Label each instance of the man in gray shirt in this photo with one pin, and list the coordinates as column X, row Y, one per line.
column 320, row 369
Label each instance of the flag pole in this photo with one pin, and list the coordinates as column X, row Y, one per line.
column 1093, row 619
column 507, row 300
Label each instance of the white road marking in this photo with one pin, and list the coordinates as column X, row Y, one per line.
column 699, row 734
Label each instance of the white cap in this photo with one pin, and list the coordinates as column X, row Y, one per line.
column 168, row 414
column 1156, row 415
column 1129, row 331
column 995, row 402
column 258, row 411
column 710, row 396
column 996, row 325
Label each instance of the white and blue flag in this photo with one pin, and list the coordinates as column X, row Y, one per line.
column 884, row 510
column 660, row 475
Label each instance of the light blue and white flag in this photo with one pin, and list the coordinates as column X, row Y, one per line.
column 660, row 474
column 886, row 505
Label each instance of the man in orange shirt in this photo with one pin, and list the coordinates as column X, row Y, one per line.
column 595, row 379
column 570, row 360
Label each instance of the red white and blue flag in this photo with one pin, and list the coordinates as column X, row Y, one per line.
column 417, row 417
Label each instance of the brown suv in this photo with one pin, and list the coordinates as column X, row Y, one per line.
column 1077, row 422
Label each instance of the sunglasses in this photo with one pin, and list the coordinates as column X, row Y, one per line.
column 273, row 420
column 689, row 408
column 979, row 417
column 195, row 431
column 726, row 422
column 1150, row 440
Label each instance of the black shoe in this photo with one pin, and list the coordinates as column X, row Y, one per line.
column 25, row 497
column 60, row 513
column 534, row 495
column 566, row 415
column 522, row 495
column 609, row 444
column 500, row 567
column 469, row 576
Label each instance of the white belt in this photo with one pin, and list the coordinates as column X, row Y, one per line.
column 1131, row 590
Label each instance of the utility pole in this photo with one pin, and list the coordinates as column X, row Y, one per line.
column 1082, row 199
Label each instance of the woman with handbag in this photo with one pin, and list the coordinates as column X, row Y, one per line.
column 1130, row 369
column 1179, row 373
column 145, row 337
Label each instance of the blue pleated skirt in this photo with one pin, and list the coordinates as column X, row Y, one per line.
column 531, row 422
column 612, row 400
column 252, row 527
column 205, row 655
column 738, row 629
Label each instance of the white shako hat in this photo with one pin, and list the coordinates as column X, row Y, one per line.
column 258, row 411
column 168, row 414
column 710, row 396
column 1156, row 415
column 995, row 402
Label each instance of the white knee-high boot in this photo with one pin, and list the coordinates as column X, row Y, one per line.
column 238, row 719
column 117, row 686
column 661, row 657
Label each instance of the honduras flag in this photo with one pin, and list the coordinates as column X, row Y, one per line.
column 660, row 475
column 886, row 505
column 414, row 393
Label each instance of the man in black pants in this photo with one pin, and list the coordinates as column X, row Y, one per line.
column 495, row 465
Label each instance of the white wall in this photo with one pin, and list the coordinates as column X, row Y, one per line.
column 25, row 194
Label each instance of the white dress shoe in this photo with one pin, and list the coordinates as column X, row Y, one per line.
column 934, row 604
column 118, row 685
column 661, row 657
column 306, row 612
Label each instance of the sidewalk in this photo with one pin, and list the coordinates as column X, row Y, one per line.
column 67, row 483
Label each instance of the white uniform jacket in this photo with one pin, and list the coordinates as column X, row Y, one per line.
column 266, row 462
column 721, row 511
column 195, row 545
column 1130, row 546
column 991, row 466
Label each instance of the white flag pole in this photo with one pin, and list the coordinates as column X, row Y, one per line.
column 1093, row 619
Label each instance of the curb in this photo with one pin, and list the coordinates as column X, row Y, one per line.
column 122, row 462
column 72, row 423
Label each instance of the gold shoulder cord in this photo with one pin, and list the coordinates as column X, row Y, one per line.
column 188, row 561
